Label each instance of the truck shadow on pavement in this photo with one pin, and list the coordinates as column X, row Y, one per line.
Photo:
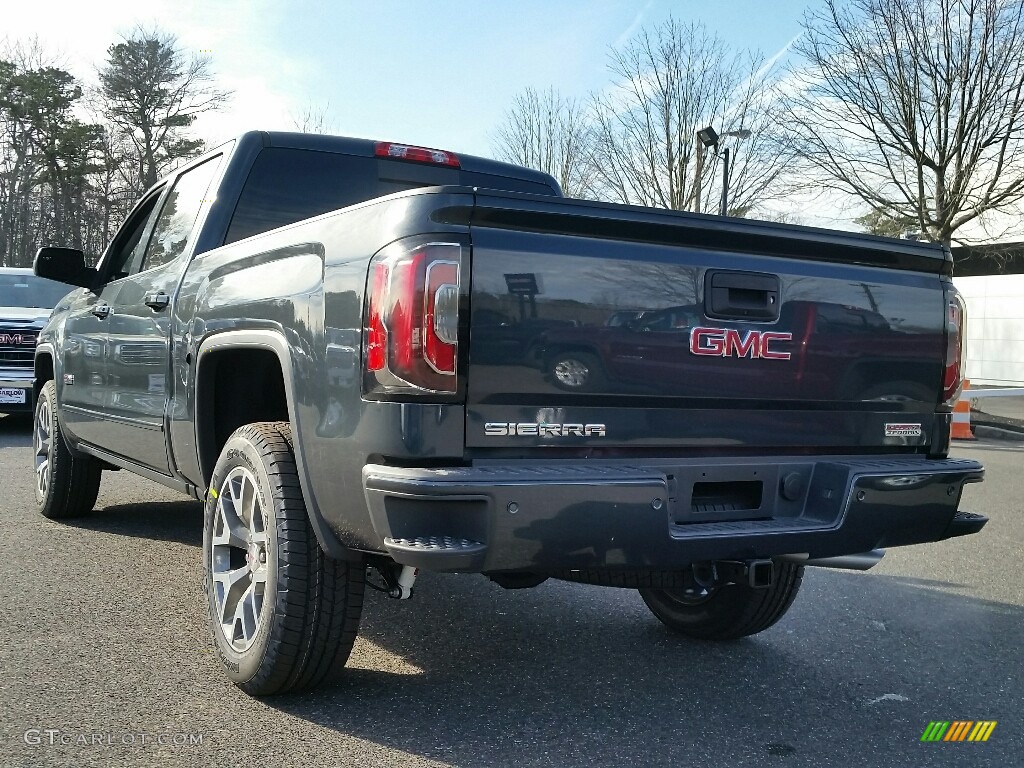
column 177, row 521
column 15, row 429
column 468, row 674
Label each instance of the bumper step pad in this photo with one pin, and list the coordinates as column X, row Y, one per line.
column 964, row 524
column 447, row 552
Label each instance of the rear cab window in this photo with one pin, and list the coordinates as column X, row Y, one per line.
column 288, row 185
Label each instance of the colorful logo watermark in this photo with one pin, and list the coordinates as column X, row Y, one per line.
column 958, row 730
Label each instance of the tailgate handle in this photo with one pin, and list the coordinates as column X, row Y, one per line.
column 741, row 295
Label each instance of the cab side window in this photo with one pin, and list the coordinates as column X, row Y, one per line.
column 129, row 244
column 174, row 227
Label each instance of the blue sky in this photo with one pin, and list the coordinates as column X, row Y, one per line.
column 440, row 74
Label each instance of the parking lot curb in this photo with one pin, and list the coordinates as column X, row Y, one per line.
column 996, row 433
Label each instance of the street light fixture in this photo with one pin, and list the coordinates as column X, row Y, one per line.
column 710, row 138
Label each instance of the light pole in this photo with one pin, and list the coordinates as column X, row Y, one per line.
column 709, row 138
column 724, row 208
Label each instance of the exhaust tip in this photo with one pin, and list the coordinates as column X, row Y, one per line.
column 862, row 561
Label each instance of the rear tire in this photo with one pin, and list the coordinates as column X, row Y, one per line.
column 67, row 482
column 728, row 612
column 283, row 615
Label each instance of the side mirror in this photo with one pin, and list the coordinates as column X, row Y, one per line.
column 65, row 265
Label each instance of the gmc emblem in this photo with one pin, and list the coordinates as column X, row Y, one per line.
column 17, row 338
column 728, row 342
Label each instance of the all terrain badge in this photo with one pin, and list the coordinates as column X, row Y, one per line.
column 903, row 430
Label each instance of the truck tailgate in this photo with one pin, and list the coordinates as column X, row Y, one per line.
column 610, row 326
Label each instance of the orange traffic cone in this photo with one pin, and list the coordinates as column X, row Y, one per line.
column 961, row 429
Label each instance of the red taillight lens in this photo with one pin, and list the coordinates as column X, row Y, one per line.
column 405, row 299
column 412, row 320
column 376, row 333
column 953, row 376
column 416, row 154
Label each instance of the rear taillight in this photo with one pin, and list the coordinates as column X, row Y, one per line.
column 412, row 320
column 953, row 375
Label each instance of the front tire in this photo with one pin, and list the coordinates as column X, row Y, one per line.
column 283, row 615
column 67, row 483
column 727, row 612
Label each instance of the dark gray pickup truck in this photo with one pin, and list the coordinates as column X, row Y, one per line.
column 370, row 358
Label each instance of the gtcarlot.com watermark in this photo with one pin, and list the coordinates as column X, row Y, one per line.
column 53, row 737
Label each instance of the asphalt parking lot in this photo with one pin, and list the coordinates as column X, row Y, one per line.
column 103, row 636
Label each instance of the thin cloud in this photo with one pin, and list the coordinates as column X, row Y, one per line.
column 771, row 62
column 767, row 66
column 634, row 25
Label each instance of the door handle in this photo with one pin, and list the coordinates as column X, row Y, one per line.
column 101, row 310
column 157, row 301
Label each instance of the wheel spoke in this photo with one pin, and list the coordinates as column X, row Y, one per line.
column 257, row 525
column 246, row 616
column 42, row 440
column 41, row 476
column 228, row 530
column 247, row 500
column 259, row 577
column 231, row 586
column 233, row 485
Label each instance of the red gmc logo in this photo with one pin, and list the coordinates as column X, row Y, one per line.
column 728, row 342
column 17, row 338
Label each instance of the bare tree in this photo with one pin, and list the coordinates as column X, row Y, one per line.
column 549, row 132
column 313, row 118
column 916, row 107
column 670, row 83
column 151, row 91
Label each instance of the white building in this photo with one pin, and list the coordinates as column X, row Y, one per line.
column 995, row 329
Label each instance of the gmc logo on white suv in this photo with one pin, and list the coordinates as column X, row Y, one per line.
column 14, row 339
column 728, row 342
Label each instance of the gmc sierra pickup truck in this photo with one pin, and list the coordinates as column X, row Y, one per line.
column 328, row 341
column 25, row 305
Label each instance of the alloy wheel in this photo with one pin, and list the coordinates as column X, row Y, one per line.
column 42, row 442
column 239, row 558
